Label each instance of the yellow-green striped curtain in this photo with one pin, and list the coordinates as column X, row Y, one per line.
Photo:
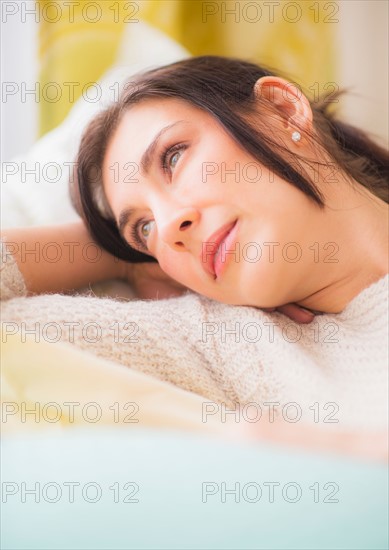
column 79, row 43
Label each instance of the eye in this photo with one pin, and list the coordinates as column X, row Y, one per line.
column 170, row 157
column 140, row 231
column 145, row 233
column 174, row 159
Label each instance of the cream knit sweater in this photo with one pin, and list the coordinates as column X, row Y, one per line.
column 333, row 369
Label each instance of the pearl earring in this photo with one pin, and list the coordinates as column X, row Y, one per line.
column 296, row 136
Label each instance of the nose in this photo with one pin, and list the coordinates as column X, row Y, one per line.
column 177, row 230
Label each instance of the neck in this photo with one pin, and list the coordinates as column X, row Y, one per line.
column 361, row 236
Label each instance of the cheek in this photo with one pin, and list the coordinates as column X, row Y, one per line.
column 170, row 264
column 179, row 268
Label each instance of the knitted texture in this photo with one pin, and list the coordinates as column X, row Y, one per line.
column 333, row 369
column 12, row 282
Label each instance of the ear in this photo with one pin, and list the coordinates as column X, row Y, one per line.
column 292, row 105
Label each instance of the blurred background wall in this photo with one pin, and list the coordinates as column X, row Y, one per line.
column 53, row 50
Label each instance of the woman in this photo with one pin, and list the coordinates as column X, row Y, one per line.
column 249, row 195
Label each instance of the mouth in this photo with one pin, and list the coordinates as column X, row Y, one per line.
column 212, row 256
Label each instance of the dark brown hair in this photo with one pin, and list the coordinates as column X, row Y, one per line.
column 223, row 87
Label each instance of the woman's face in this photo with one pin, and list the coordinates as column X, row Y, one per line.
column 215, row 219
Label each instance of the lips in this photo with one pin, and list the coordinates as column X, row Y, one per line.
column 211, row 246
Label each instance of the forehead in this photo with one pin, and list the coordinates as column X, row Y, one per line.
column 136, row 130
column 143, row 120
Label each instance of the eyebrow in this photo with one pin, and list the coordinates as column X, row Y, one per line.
column 147, row 156
column 145, row 163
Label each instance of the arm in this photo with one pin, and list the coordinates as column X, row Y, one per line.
column 59, row 258
column 160, row 338
column 203, row 346
column 65, row 257
column 137, row 334
column 163, row 338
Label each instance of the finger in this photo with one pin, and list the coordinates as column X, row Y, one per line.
column 297, row 313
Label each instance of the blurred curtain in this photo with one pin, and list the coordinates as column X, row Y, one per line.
column 79, row 43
